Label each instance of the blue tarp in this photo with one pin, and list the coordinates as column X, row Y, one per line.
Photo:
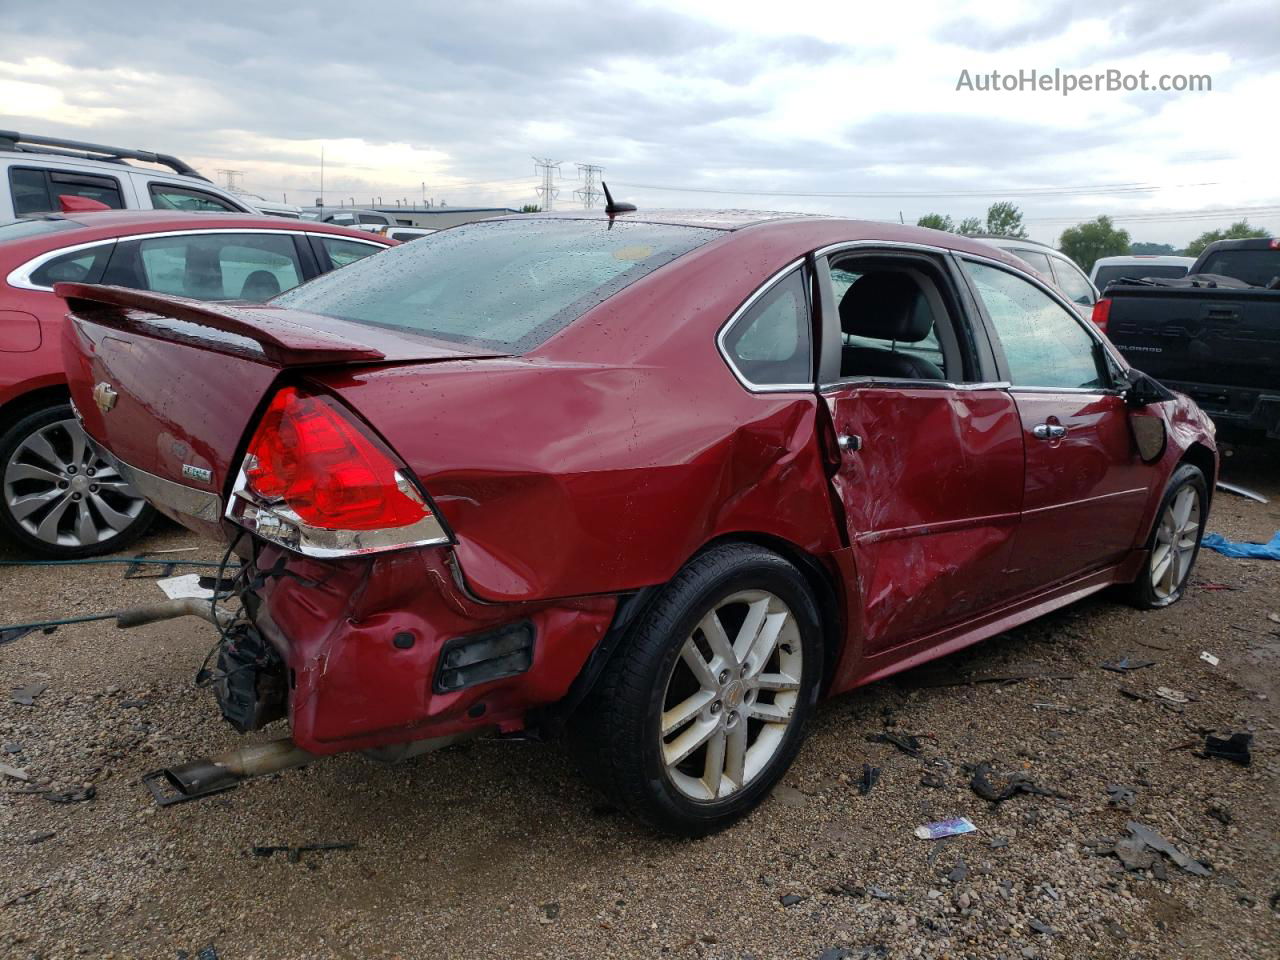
column 1230, row 548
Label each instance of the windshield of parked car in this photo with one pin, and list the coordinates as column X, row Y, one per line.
column 507, row 284
column 1136, row 271
column 21, row 229
column 1255, row 267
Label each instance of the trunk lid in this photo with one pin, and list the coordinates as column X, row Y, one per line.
column 170, row 386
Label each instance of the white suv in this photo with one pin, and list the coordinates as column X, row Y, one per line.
column 37, row 172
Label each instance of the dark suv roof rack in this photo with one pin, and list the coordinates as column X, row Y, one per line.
column 29, row 143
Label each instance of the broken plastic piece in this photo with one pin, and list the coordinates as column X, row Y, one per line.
column 1120, row 796
column 1174, row 696
column 26, row 696
column 1235, row 748
column 870, row 775
column 1240, row 491
column 945, row 828
column 1156, row 842
column 1208, row 658
column 981, row 785
column 1124, row 665
column 903, row 741
column 1231, row 548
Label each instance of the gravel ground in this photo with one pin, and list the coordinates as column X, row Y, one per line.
column 497, row 849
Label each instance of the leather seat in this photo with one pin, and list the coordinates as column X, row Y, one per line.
column 886, row 305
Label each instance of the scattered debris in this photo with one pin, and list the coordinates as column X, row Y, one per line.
column 17, row 631
column 1124, row 665
column 934, row 780
column 879, row 894
column 1149, row 838
column 1119, row 796
column 73, row 795
column 870, row 775
column 187, row 585
column 1017, row 783
column 1235, row 748
column 903, row 741
column 26, row 696
column 294, row 854
column 14, row 773
column 1134, row 694
column 1173, row 696
column 1041, row 928
column 959, row 872
column 206, row 953
column 1208, row 658
column 550, row 911
column 1221, row 814
column 11, row 747
column 1231, row 548
column 791, row 899
column 945, row 828
column 1153, row 646
column 998, row 843
column 1240, row 491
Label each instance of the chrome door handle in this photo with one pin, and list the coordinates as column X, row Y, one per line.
column 849, row 442
column 1048, row 431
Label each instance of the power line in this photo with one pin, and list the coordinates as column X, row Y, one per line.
column 549, row 170
column 1172, row 215
column 1095, row 190
column 590, row 190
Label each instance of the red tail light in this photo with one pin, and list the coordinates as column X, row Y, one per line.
column 1102, row 313
column 315, row 480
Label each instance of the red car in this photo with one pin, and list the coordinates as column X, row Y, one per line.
column 58, row 498
column 663, row 480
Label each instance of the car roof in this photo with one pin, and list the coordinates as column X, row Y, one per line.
column 1246, row 243
column 53, row 158
column 1171, row 258
column 109, row 223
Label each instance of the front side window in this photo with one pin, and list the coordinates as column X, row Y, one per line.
column 770, row 343
column 167, row 196
column 502, row 284
column 220, row 266
column 37, row 191
column 1044, row 343
column 1073, row 283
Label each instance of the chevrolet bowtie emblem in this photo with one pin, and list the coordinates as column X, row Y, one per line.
column 104, row 395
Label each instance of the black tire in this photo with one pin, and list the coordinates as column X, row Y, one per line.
column 1145, row 592
column 618, row 732
column 12, row 489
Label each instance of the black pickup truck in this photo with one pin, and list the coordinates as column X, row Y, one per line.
column 1213, row 335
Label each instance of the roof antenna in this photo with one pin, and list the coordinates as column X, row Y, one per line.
column 611, row 206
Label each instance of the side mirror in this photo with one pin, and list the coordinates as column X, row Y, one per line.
column 1144, row 390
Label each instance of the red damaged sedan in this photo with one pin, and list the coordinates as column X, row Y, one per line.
column 661, row 481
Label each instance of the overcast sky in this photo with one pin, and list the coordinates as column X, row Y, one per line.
column 796, row 97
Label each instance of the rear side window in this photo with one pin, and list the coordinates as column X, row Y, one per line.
column 220, row 266
column 79, row 266
column 505, row 284
column 168, row 196
column 1073, row 283
column 37, row 191
column 770, row 343
column 1044, row 343
column 343, row 252
column 373, row 218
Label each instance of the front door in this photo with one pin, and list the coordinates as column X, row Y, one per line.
column 1086, row 487
column 930, row 470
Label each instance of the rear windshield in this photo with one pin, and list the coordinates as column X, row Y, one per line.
column 21, row 229
column 1137, row 271
column 1254, row 267
column 507, row 284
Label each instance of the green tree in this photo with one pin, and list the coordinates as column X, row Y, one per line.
column 531, row 208
column 1240, row 230
column 1152, row 250
column 1086, row 242
column 1005, row 220
column 970, row 227
column 937, row 221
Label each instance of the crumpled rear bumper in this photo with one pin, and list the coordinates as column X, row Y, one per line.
column 361, row 640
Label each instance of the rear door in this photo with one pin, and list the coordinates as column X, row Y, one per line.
column 929, row 469
column 1086, row 487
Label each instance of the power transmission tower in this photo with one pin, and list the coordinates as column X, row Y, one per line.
column 232, row 179
column 590, row 190
column 549, row 170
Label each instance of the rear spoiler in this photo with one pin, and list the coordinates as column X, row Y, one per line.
column 282, row 340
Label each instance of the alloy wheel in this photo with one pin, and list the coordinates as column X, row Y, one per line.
column 1175, row 545
column 731, row 695
column 60, row 489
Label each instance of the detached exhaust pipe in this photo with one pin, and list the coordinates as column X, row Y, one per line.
column 203, row 778
column 172, row 609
